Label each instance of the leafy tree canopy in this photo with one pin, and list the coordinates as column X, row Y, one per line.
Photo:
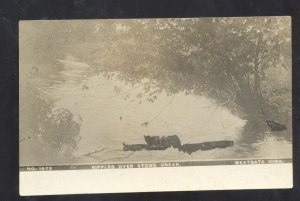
column 231, row 60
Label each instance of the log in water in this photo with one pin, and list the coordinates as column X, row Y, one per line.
column 157, row 143
column 190, row 148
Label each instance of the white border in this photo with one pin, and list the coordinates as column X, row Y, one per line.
column 221, row 177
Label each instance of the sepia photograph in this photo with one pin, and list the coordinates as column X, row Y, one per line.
column 149, row 93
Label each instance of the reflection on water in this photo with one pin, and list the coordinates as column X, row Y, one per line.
column 113, row 113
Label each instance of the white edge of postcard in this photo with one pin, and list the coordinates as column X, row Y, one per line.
column 191, row 178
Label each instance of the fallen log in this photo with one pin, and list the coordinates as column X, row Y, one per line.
column 204, row 146
column 162, row 143
column 139, row 147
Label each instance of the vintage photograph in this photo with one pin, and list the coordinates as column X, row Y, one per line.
column 122, row 91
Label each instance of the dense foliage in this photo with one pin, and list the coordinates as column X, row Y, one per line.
column 240, row 63
column 48, row 126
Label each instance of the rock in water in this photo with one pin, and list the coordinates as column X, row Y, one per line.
column 276, row 126
column 169, row 141
column 174, row 141
column 152, row 140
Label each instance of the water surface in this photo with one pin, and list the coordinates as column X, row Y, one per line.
column 112, row 114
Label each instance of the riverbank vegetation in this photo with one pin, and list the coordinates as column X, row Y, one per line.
column 243, row 64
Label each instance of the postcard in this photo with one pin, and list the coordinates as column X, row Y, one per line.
column 146, row 105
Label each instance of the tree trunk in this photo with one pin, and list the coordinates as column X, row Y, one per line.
column 251, row 104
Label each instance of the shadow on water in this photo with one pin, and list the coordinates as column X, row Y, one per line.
column 254, row 136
